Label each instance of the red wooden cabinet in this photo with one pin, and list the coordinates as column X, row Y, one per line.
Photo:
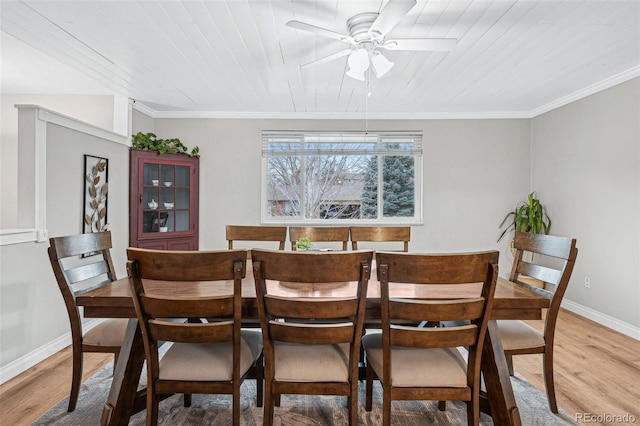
column 163, row 201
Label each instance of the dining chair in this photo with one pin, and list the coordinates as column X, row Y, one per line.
column 212, row 355
column 311, row 344
column 319, row 234
column 425, row 363
column 546, row 259
column 82, row 263
column 256, row 233
column 381, row 234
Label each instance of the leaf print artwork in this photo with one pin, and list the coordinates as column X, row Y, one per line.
column 95, row 196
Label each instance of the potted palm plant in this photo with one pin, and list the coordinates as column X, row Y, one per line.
column 527, row 216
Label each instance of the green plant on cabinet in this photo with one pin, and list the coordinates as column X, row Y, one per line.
column 150, row 142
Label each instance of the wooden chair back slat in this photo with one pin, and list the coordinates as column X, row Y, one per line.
column 319, row 234
column 316, row 334
column 188, row 265
column 438, row 269
column 209, row 266
column 450, row 269
column 209, row 307
column 256, row 233
column 548, row 245
column 381, row 234
column 81, row 244
column 283, row 307
column 432, row 311
column 191, row 332
column 543, row 273
column 311, row 267
column 535, row 245
column 87, row 272
column 431, row 337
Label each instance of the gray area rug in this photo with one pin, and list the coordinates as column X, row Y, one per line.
column 298, row 410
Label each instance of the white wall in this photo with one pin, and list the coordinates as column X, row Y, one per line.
column 474, row 172
column 97, row 110
column 585, row 161
column 141, row 122
column 32, row 314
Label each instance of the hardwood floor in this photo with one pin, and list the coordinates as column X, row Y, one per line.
column 597, row 372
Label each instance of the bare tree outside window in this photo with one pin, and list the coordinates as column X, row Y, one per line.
column 328, row 180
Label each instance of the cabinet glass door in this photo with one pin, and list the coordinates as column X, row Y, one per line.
column 165, row 198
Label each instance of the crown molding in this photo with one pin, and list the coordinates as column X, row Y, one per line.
column 331, row 115
column 452, row 115
column 138, row 106
column 588, row 91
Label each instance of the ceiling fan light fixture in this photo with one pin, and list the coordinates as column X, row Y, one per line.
column 381, row 64
column 359, row 60
column 356, row 74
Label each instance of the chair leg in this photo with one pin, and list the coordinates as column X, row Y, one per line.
column 352, row 402
column 187, row 399
column 236, row 404
column 152, row 407
column 473, row 413
column 76, row 377
column 260, row 380
column 509, row 363
column 442, row 405
column 369, row 388
column 386, row 405
column 269, row 401
column 547, row 362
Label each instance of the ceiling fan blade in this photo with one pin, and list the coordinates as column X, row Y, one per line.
column 392, row 13
column 329, row 58
column 319, row 30
column 426, row 44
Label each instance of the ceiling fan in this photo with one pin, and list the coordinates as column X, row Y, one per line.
column 368, row 33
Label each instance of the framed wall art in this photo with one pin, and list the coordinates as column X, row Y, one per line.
column 96, row 191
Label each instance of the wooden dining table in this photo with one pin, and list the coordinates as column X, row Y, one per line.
column 512, row 301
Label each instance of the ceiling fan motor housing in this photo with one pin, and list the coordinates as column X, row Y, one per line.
column 359, row 26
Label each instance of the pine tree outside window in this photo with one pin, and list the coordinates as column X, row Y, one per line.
column 344, row 178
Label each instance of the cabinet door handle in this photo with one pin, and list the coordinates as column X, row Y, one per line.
column 140, row 198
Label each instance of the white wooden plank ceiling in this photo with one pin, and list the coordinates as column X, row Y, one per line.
column 238, row 56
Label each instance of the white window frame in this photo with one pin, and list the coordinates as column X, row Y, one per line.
column 378, row 149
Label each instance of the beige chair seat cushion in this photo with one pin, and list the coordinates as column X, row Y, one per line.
column 209, row 361
column 518, row 335
column 311, row 363
column 534, row 282
column 109, row 332
column 418, row 367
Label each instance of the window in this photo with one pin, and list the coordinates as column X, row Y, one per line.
column 350, row 177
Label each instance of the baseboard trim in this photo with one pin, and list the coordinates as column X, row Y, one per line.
column 22, row 364
column 603, row 319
